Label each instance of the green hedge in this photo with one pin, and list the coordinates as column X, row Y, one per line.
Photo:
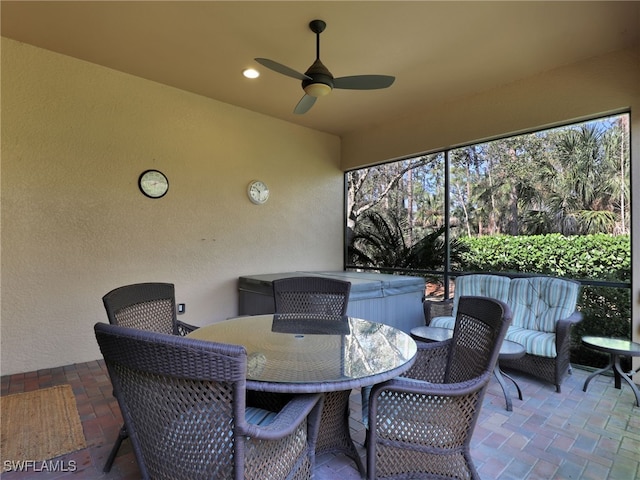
column 600, row 256
column 606, row 310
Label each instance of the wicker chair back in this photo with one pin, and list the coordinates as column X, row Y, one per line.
column 145, row 306
column 311, row 295
column 475, row 337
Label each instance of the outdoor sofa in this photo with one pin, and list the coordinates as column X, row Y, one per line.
column 543, row 308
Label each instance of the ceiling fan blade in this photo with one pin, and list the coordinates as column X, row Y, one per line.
column 363, row 82
column 283, row 69
column 304, row 105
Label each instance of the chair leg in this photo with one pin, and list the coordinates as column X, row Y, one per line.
column 114, row 451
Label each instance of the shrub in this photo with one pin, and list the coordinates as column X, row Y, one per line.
column 589, row 257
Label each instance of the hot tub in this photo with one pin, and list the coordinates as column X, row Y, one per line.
column 394, row 300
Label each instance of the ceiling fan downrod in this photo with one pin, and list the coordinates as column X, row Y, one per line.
column 321, row 82
column 317, row 27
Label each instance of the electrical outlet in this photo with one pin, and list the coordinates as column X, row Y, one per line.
column 181, row 308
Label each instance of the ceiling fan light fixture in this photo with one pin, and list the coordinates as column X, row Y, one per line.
column 317, row 89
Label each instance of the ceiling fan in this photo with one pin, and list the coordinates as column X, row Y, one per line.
column 318, row 81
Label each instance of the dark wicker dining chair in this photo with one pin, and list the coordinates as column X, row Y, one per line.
column 313, row 295
column 420, row 424
column 183, row 401
column 145, row 306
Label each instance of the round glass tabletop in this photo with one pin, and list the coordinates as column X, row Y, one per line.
column 433, row 334
column 315, row 352
column 618, row 346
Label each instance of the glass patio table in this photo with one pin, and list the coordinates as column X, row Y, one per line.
column 616, row 348
column 291, row 353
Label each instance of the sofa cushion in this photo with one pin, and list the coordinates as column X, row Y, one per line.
column 443, row 322
column 258, row 416
column 537, row 303
column 538, row 343
column 478, row 285
column 481, row 285
column 541, row 344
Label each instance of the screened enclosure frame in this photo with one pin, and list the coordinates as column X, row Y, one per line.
column 447, row 273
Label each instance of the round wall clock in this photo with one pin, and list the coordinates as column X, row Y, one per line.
column 258, row 192
column 153, row 183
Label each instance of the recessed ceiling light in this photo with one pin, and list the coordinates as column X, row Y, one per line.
column 251, row 73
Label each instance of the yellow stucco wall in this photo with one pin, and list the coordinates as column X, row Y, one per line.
column 75, row 138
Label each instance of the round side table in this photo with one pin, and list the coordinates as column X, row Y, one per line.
column 431, row 334
column 507, row 350
column 616, row 348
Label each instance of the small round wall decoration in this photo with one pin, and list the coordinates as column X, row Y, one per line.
column 153, row 183
column 258, row 192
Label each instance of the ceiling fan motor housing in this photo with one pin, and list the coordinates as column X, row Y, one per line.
column 321, row 82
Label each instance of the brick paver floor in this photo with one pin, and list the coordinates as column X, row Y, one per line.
column 548, row 435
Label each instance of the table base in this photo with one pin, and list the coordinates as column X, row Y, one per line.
column 334, row 435
column 500, row 376
column 618, row 373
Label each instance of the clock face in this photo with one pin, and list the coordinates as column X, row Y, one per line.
column 153, row 183
column 258, row 192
